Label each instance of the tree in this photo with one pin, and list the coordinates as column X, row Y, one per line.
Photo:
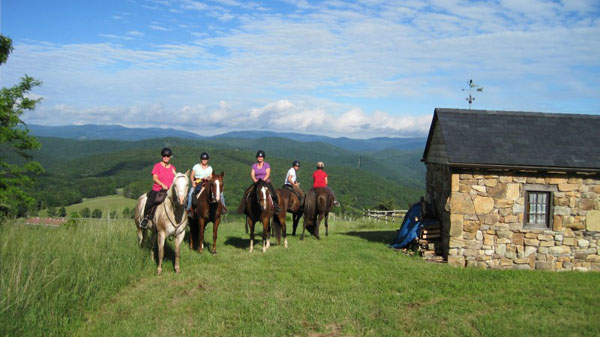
column 62, row 212
column 96, row 213
column 85, row 213
column 15, row 142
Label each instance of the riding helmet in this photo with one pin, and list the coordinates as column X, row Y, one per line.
column 260, row 153
column 320, row 165
column 166, row 152
column 204, row 155
column 296, row 163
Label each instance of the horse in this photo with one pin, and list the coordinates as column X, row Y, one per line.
column 208, row 209
column 170, row 219
column 317, row 205
column 257, row 204
column 290, row 200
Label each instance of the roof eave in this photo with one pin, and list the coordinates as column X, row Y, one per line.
column 525, row 167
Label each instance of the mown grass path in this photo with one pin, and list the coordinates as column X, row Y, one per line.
column 347, row 284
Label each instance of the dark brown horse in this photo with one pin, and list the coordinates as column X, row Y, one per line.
column 290, row 200
column 257, row 204
column 317, row 204
column 208, row 209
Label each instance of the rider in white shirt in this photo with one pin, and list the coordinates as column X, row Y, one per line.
column 290, row 177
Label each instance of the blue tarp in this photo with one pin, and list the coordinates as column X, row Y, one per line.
column 410, row 228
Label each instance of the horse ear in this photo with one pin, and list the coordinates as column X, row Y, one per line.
column 222, row 173
column 187, row 173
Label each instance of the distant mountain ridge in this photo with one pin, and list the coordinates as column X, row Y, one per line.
column 106, row 132
column 117, row 132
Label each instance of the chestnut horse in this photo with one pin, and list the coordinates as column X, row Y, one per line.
column 290, row 200
column 208, row 209
column 317, row 205
column 170, row 219
column 257, row 204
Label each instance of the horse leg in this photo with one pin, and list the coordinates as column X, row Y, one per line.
column 178, row 241
column 326, row 224
column 319, row 219
column 295, row 220
column 192, row 222
column 215, row 231
column 201, row 225
column 265, row 235
column 140, row 236
column 283, row 231
column 251, row 224
column 161, row 250
column 153, row 241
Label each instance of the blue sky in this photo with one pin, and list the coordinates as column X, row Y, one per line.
column 337, row 68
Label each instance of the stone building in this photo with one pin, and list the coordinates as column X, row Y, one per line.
column 515, row 189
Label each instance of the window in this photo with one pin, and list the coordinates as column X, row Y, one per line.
column 537, row 209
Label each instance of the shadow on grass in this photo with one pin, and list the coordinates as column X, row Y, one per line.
column 237, row 242
column 385, row 237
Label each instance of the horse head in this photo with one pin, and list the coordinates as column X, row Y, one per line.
column 215, row 187
column 262, row 194
column 179, row 189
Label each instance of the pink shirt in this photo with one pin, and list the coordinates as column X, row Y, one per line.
column 165, row 175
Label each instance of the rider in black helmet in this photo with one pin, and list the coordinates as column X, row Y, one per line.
column 262, row 170
column 163, row 174
column 290, row 177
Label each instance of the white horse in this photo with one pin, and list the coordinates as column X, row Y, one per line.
column 170, row 219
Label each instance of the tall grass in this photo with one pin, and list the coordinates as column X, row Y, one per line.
column 50, row 276
column 78, row 281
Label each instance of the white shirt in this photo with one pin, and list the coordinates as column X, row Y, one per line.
column 201, row 173
column 290, row 173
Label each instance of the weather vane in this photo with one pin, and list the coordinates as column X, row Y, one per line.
column 472, row 86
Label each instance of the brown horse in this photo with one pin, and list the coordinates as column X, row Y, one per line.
column 208, row 209
column 257, row 204
column 290, row 200
column 317, row 205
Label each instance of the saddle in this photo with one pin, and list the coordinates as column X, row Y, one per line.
column 291, row 188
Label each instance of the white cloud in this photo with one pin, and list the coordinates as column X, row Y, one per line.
column 355, row 69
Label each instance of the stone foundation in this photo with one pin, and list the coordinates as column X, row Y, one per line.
column 483, row 214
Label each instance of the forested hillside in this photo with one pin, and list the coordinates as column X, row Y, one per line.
column 77, row 169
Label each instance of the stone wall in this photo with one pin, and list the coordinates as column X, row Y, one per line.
column 438, row 191
column 486, row 227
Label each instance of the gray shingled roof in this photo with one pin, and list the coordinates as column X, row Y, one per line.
column 519, row 139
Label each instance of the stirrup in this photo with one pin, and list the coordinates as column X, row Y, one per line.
column 144, row 223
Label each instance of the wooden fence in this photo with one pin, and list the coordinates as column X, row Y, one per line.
column 396, row 215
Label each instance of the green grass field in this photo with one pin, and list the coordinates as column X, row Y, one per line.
column 106, row 204
column 90, row 279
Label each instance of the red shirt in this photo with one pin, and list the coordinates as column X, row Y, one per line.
column 319, row 179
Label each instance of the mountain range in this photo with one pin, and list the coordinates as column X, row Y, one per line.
column 117, row 132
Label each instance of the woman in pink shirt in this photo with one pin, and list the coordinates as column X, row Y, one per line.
column 163, row 174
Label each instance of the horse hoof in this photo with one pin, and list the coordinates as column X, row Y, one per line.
column 158, row 271
column 177, row 270
column 214, row 252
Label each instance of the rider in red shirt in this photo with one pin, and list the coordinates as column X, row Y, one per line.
column 320, row 180
column 320, row 176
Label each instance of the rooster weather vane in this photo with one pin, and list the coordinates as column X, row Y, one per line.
column 472, row 87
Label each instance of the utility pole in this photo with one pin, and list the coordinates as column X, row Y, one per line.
column 472, row 86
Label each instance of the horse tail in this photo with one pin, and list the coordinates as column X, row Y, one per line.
column 310, row 210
